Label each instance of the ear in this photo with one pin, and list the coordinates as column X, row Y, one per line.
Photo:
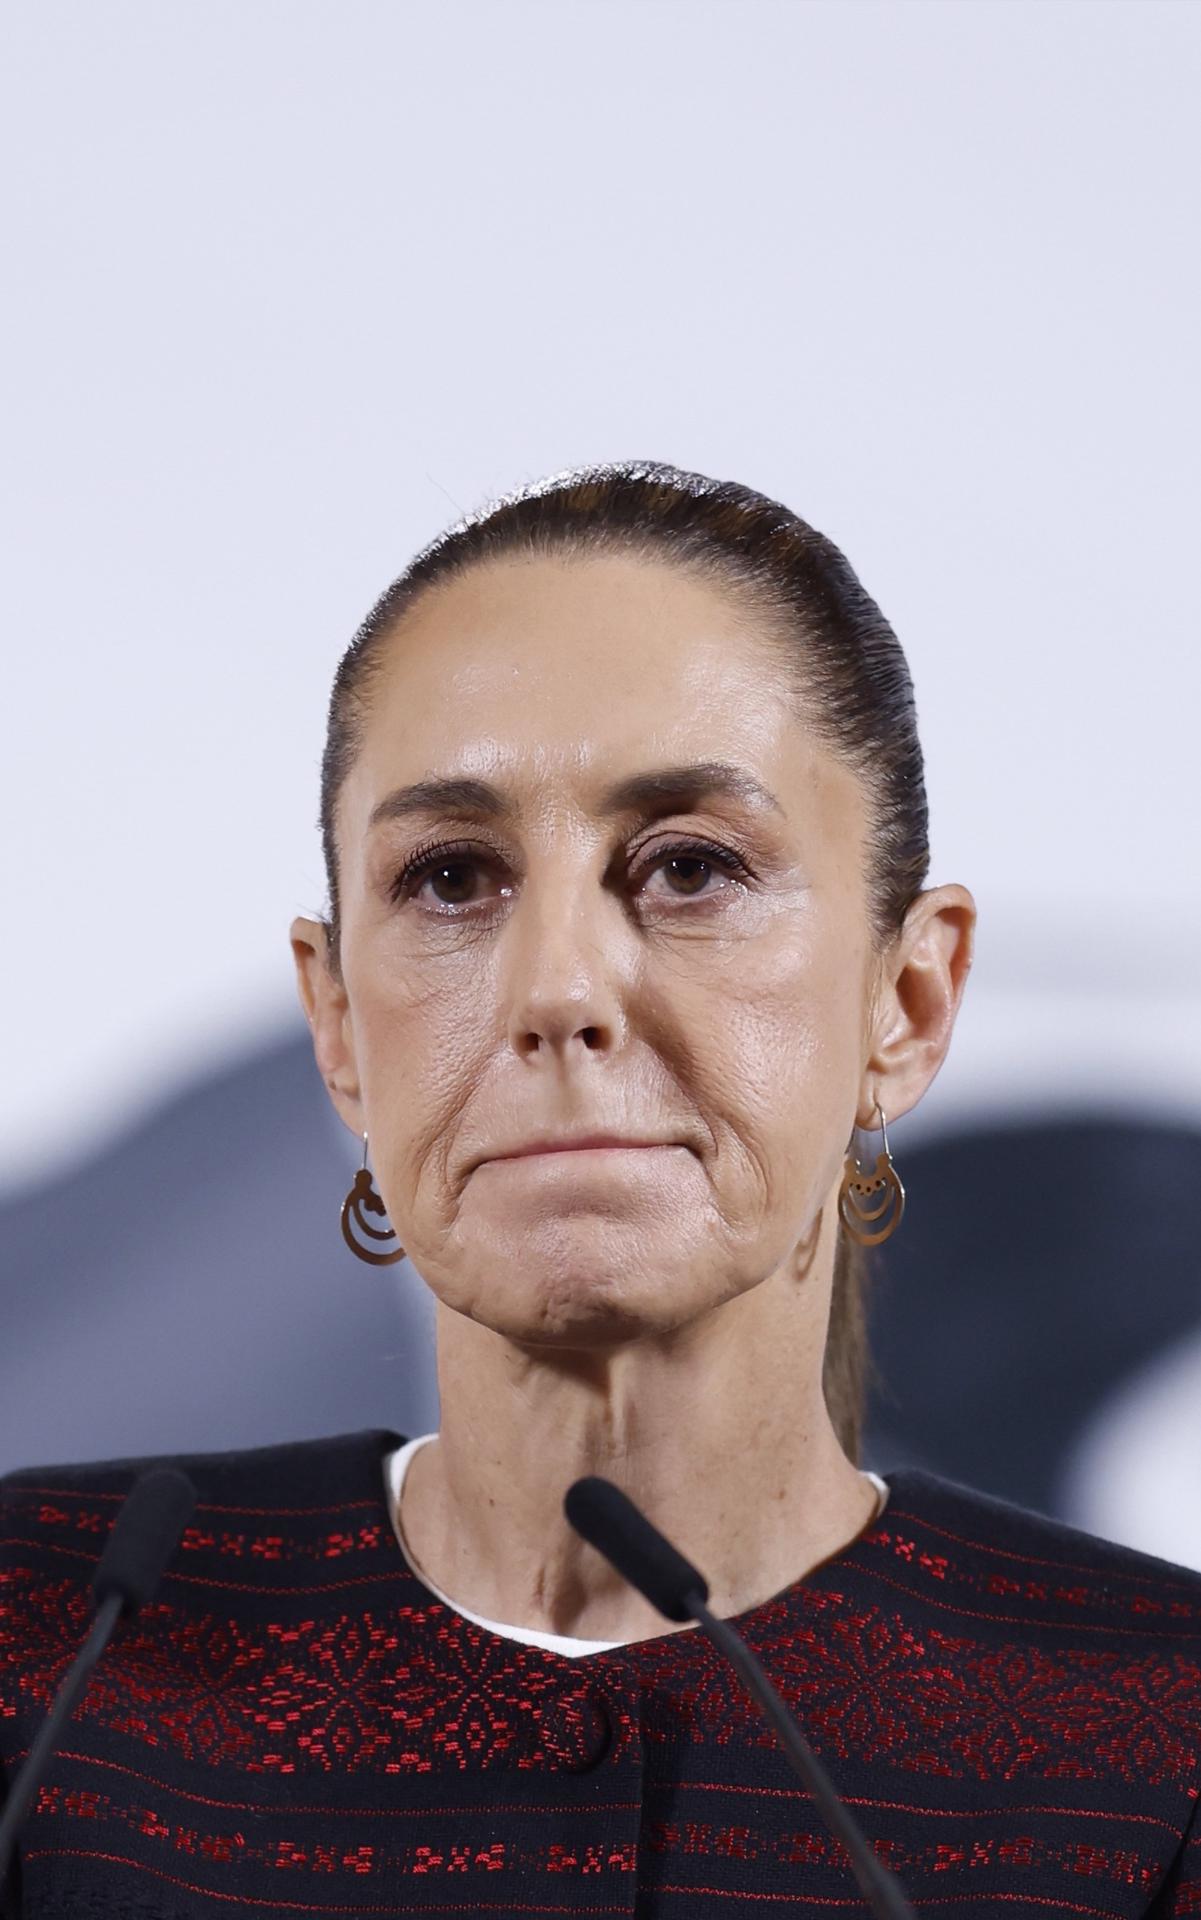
column 327, row 1010
column 917, row 999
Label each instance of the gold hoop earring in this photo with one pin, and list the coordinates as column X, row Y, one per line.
column 864, row 1198
column 361, row 1199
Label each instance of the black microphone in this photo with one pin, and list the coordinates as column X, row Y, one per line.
column 144, row 1535
column 609, row 1521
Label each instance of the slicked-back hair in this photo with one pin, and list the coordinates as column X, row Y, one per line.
column 851, row 678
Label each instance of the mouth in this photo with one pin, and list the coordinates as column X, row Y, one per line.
column 613, row 1151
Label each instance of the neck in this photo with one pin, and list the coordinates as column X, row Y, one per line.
column 720, row 1433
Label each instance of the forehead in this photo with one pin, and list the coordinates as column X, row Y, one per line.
column 535, row 671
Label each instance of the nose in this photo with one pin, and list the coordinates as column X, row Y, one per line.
column 565, row 945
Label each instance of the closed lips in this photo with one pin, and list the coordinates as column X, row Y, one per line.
column 584, row 1143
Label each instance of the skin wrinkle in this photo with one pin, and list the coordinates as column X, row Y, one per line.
column 665, row 1322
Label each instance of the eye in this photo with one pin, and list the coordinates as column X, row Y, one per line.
column 450, row 867
column 691, row 855
column 454, row 857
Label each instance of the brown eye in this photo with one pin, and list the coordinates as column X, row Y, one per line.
column 694, row 881
column 458, row 888
column 451, row 870
column 692, row 864
column 454, row 859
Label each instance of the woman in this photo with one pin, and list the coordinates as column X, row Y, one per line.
column 626, row 836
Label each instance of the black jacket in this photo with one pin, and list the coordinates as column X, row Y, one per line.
column 296, row 1726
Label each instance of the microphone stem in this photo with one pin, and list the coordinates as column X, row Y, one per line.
column 30, row 1777
column 878, row 1884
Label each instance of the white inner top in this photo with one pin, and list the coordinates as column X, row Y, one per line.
column 396, row 1466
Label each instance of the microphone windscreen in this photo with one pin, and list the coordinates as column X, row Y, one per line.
column 609, row 1521
column 144, row 1535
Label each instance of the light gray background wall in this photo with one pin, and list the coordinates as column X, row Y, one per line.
column 287, row 286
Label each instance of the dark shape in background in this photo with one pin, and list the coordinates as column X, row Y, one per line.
column 187, row 1288
column 1039, row 1267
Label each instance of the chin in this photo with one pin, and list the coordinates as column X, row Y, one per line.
column 584, row 1311
column 578, row 1335
column 584, row 1283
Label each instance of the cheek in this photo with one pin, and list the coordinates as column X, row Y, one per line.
column 787, row 1052
column 421, row 1049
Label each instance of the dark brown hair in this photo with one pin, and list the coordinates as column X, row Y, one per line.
column 845, row 660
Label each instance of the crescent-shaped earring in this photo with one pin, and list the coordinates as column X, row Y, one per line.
column 361, row 1199
column 864, row 1198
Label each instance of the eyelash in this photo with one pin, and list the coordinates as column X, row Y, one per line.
column 456, row 852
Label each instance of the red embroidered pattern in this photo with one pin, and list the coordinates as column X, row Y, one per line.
column 417, row 1688
column 297, row 1725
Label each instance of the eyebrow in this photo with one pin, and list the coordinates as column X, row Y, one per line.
column 662, row 789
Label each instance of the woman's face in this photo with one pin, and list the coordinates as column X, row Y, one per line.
column 685, row 962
